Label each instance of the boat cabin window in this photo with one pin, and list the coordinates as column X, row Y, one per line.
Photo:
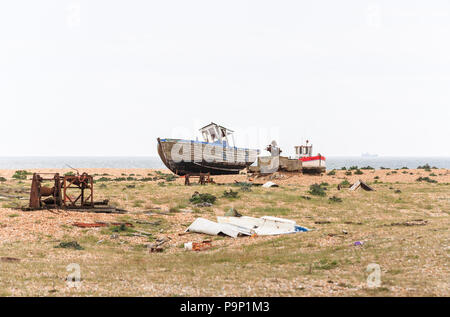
column 303, row 150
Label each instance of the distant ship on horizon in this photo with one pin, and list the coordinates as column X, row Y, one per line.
column 368, row 155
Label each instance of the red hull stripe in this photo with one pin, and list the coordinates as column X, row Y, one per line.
column 312, row 158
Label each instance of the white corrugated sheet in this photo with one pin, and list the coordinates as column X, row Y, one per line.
column 234, row 226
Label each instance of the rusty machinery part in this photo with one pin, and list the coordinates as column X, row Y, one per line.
column 38, row 191
column 58, row 195
column 84, row 183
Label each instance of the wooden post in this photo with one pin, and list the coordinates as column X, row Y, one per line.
column 35, row 194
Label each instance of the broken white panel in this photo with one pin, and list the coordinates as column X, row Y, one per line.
column 279, row 219
column 264, row 226
column 355, row 185
column 249, row 223
column 269, row 184
column 296, row 227
column 202, row 225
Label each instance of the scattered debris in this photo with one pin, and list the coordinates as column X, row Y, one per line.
column 205, row 204
column 270, row 184
column 158, row 246
column 358, row 243
column 322, row 222
column 361, row 184
column 109, row 210
column 352, row 223
column 198, row 246
column 100, row 224
column 415, row 222
column 156, row 249
column 155, row 223
column 9, row 259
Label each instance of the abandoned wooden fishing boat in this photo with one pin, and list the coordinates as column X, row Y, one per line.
column 216, row 155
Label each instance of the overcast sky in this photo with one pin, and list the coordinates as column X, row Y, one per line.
column 104, row 77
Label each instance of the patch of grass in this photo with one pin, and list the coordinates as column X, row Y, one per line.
column 244, row 186
column 230, row 194
column 331, row 173
column 2, row 179
column 426, row 179
column 271, row 211
column 170, row 178
column 121, row 228
column 325, row 264
column 358, row 172
column 198, row 198
column 21, row 174
column 70, row 245
column 426, row 167
column 335, row 199
column 317, row 190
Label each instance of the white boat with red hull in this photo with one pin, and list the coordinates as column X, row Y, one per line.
column 310, row 163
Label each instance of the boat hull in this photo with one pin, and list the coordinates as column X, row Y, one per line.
column 313, row 164
column 192, row 157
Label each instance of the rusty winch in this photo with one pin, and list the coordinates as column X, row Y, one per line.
column 68, row 191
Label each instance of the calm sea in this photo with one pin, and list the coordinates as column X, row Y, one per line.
column 155, row 162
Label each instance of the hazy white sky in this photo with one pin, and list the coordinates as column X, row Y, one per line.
column 108, row 77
